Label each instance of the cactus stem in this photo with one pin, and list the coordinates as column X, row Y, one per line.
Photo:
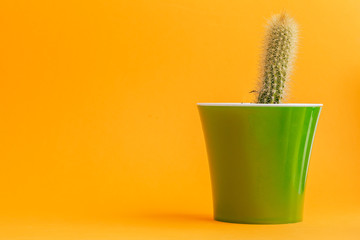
column 279, row 52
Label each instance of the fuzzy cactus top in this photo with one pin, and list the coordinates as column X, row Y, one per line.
column 278, row 55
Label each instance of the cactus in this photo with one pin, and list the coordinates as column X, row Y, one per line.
column 278, row 55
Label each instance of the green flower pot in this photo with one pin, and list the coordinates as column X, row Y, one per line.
column 258, row 156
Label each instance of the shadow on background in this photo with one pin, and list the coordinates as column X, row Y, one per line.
column 176, row 217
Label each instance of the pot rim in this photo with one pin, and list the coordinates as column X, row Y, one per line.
column 262, row 104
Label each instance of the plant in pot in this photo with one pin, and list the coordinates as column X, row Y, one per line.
column 259, row 152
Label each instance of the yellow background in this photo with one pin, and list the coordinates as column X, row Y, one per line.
column 98, row 120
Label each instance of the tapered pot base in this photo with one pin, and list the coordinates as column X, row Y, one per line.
column 258, row 221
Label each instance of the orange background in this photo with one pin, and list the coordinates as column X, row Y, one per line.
column 98, row 120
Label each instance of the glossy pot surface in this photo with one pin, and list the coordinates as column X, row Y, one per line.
column 259, row 156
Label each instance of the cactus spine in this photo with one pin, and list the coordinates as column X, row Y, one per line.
column 279, row 53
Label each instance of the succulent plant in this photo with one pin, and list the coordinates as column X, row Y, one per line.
column 278, row 56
